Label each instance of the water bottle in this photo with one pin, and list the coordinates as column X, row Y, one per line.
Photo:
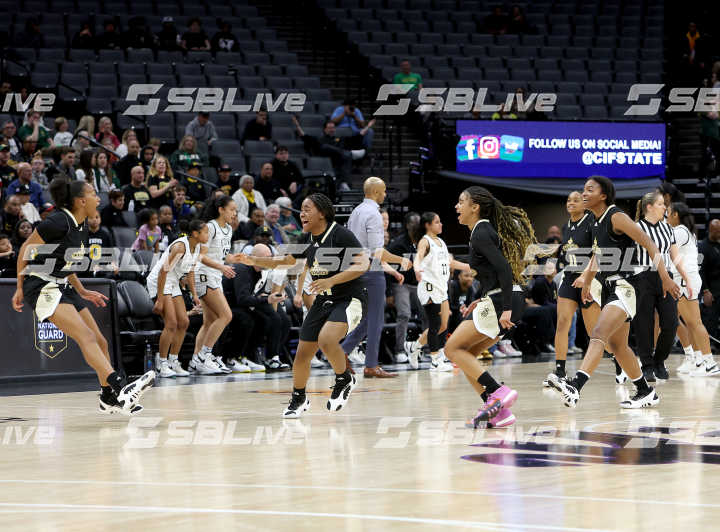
column 149, row 360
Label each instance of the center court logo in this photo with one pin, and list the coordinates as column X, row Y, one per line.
column 505, row 147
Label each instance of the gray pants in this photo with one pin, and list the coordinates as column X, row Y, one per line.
column 405, row 299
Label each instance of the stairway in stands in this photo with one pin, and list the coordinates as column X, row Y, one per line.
column 393, row 149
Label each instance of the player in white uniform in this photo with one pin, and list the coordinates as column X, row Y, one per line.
column 432, row 269
column 692, row 333
column 163, row 284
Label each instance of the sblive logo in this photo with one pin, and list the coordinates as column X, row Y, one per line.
column 458, row 100
column 208, row 100
column 681, row 99
column 505, row 147
column 41, row 102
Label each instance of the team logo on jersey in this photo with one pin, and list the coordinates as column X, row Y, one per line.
column 484, row 312
column 317, row 270
column 595, row 247
column 49, row 340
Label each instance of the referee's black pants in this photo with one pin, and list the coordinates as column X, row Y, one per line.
column 649, row 298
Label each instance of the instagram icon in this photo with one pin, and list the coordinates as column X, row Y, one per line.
column 489, row 147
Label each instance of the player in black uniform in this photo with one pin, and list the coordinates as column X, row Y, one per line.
column 56, row 249
column 576, row 243
column 499, row 237
column 335, row 260
column 614, row 262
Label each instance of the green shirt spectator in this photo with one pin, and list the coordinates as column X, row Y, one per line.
column 33, row 134
column 406, row 77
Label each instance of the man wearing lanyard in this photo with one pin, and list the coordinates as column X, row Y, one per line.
column 367, row 225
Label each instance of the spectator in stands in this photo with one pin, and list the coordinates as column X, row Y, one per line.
column 87, row 123
column 227, row 181
column 147, row 156
column 127, row 136
column 33, row 133
column 105, row 130
column 247, row 198
column 63, row 137
column 29, row 211
column 101, row 249
column 32, row 37
column 149, row 232
column 81, row 143
column 110, row 39
column 186, row 153
column 8, row 174
column 130, row 161
column 460, row 294
column 710, row 274
column 504, row 114
column 287, row 221
column 11, row 215
column 272, row 215
column 138, row 34
column 38, row 171
column 84, row 38
column 267, row 185
column 203, row 130
column 554, row 235
column 24, row 178
column 106, row 173
column 161, row 183
column 225, row 40
column 9, row 137
column 137, row 196
column 156, row 144
column 195, row 188
column 407, row 77
column 169, row 38
column 693, row 40
column 540, row 314
column 517, row 22
column 169, row 231
column 111, row 214
column 86, row 170
column 8, row 260
column 180, row 208
column 5, row 88
column 249, row 228
column 21, row 232
column 497, row 22
column 258, row 129
column 349, row 116
column 67, row 163
column 286, row 172
column 195, row 38
column 386, row 224
column 112, row 159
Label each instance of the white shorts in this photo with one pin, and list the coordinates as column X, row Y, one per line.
column 485, row 318
column 171, row 288
column 695, row 285
column 429, row 293
column 205, row 281
column 622, row 294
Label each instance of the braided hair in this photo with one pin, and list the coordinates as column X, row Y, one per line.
column 512, row 225
column 324, row 205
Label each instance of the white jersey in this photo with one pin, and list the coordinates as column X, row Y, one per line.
column 687, row 246
column 182, row 267
column 219, row 245
column 436, row 264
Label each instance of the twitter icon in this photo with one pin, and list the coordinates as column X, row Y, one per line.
column 511, row 148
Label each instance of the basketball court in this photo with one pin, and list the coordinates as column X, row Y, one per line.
column 215, row 455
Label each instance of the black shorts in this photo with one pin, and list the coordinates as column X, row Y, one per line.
column 484, row 325
column 350, row 310
column 44, row 297
column 568, row 291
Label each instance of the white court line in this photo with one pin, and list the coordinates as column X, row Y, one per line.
column 175, row 510
column 493, row 494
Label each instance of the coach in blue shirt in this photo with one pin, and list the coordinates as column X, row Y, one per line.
column 366, row 224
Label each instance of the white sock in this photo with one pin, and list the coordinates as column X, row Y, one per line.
column 357, row 154
column 173, row 358
column 688, row 350
column 698, row 356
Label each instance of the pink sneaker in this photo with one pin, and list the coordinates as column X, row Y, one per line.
column 502, row 398
column 504, row 419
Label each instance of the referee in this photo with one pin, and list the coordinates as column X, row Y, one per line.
column 650, row 295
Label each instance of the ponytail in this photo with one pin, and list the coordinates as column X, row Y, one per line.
column 644, row 202
column 212, row 207
column 187, row 228
column 64, row 191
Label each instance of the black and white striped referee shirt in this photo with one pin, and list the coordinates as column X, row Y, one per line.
column 662, row 234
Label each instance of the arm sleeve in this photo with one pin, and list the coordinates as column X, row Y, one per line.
column 482, row 243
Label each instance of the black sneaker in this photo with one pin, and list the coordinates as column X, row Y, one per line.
column 298, row 405
column 341, row 393
column 661, row 372
column 641, row 400
column 649, row 374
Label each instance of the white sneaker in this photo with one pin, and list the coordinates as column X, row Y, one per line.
column 275, row 364
column 238, row 367
column 439, row 364
column 254, row 366
column 688, row 365
column 205, row 366
column 508, row 349
column 316, row 363
column 297, row 406
column 130, row 395
column 641, row 401
column 356, row 357
column 707, row 368
column 221, row 365
column 164, row 370
column 340, row 394
column 177, row 368
column 401, row 358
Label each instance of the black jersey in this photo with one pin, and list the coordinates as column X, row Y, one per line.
column 576, row 236
column 488, row 264
column 615, row 254
column 330, row 253
column 66, row 245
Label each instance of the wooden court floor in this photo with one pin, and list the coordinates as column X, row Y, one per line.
column 217, row 456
